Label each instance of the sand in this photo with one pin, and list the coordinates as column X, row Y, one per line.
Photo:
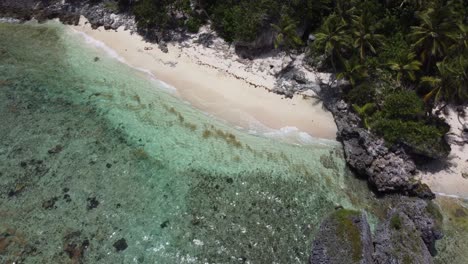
column 219, row 84
column 445, row 178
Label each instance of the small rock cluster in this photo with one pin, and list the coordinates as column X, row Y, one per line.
column 291, row 80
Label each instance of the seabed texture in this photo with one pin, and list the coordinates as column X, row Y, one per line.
column 98, row 164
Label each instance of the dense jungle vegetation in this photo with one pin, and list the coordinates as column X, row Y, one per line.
column 401, row 58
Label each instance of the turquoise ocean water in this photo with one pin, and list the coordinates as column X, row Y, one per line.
column 93, row 152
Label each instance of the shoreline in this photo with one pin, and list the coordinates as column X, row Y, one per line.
column 240, row 102
column 444, row 178
column 233, row 94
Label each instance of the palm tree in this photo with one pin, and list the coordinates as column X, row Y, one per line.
column 451, row 84
column 433, row 36
column 286, row 34
column 353, row 71
column 364, row 36
column 406, row 66
column 345, row 9
column 461, row 39
column 365, row 112
column 333, row 38
column 418, row 4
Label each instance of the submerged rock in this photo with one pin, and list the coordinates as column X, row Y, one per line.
column 92, row 203
column 50, row 204
column 120, row 245
column 75, row 246
column 55, row 150
column 344, row 237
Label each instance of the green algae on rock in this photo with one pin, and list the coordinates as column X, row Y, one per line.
column 344, row 237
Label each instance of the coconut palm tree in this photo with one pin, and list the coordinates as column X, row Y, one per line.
column 451, row 84
column 460, row 37
column 406, row 66
column 433, row 36
column 286, row 34
column 364, row 37
column 418, row 4
column 333, row 38
column 353, row 71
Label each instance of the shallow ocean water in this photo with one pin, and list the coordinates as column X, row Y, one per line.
column 93, row 152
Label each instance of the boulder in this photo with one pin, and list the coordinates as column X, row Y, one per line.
column 406, row 235
column 409, row 233
column 426, row 217
column 344, row 237
column 397, row 240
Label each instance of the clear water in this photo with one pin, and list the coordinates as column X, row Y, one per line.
column 453, row 248
column 93, row 151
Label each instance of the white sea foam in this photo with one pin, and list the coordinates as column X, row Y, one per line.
column 113, row 54
column 9, row 20
column 289, row 134
column 101, row 45
column 452, row 196
column 292, row 133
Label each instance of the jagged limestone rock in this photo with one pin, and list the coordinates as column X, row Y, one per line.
column 344, row 237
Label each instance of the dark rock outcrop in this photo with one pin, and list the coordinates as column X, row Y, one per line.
column 426, row 217
column 68, row 12
column 39, row 9
column 388, row 170
column 409, row 233
column 344, row 237
column 406, row 235
column 292, row 80
column 397, row 240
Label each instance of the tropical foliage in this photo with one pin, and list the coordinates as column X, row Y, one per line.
column 411, row 51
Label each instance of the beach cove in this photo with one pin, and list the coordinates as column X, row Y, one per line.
column 137, row 115
column 97, row 157
column 222, row 89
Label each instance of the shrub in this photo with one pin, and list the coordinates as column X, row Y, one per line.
column 421, row 138
column 193, row 24
column 151, row 13
column 361, row 94
column 403, row 104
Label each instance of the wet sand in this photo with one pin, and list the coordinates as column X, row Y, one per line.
column 245, row 103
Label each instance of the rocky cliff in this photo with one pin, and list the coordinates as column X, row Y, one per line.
column 406, row 235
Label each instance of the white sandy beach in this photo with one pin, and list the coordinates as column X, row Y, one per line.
column 218, row 82
column 219, row 86
column 445, row 178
